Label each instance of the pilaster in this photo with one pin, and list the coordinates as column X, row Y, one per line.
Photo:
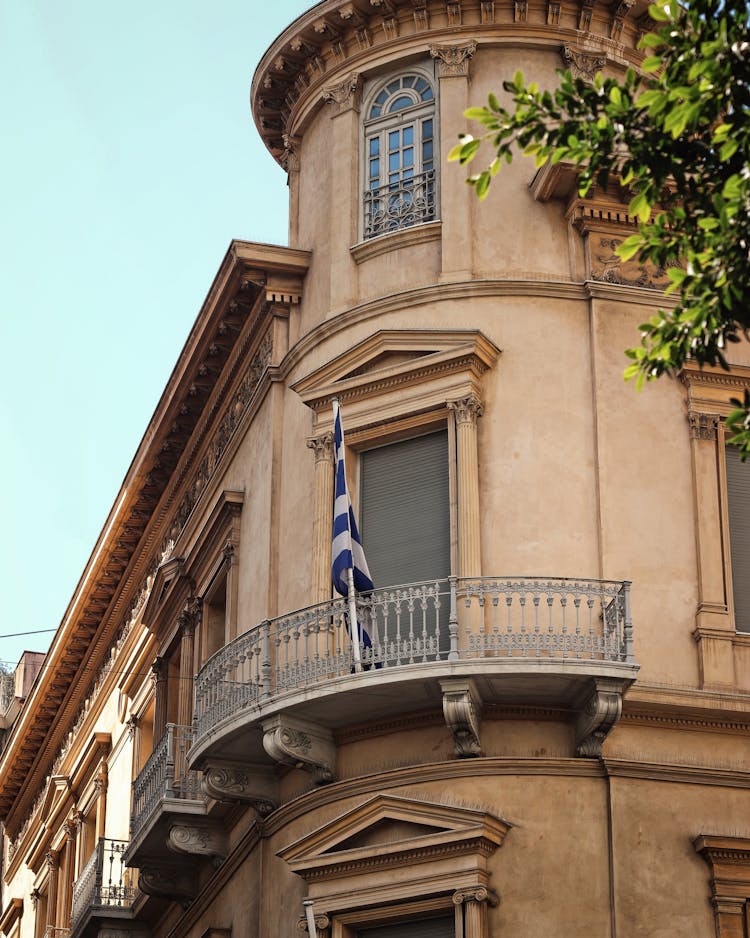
column 474, row 901
column 322, row 447
column 291, row 163
column 713, row 632
column 343, row 102
column 456, row 198
column 467, row 411
column 187, row 623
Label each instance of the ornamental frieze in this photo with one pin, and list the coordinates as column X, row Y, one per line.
column 608, row 267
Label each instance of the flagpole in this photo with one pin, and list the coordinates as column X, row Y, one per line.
column 353, row 620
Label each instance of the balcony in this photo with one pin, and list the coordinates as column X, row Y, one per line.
column 456, row 642
column 400, row 205
column 103, row 894
column 52, row 931
column 165, row 792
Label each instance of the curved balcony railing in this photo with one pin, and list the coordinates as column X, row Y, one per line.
column 409, row 202
column 165, row 775
column 532, row 618
column 104, row 882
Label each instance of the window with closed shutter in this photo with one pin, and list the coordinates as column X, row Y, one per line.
column 738, row 502
column 404, row 510
column 443, row 927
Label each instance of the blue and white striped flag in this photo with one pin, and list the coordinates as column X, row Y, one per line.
column 347, row 553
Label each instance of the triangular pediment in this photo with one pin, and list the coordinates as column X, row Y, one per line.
column 391, row 360
column 387, row 829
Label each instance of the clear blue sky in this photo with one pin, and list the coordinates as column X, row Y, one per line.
column 128, row 161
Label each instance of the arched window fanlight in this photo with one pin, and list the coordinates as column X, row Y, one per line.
column 400, row 183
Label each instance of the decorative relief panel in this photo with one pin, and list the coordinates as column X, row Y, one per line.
column 607, row 267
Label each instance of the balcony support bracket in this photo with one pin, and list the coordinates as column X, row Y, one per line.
column 462, row 707
column 235, row 781
column 176, row 881
column 199, row 839
column 599, row 711
column 302, row 744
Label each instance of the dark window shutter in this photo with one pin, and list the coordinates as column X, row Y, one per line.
column 404, row 510
column 738, row 499
column 429, row 928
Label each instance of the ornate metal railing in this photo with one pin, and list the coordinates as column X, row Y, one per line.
column 445, row 620
column 104, row 882
column 393, row 206
column 165, row 775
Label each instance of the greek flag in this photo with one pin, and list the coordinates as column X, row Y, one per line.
column 347, row 553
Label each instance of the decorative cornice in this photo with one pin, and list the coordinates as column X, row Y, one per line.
column 454, row 61
column 337, row 38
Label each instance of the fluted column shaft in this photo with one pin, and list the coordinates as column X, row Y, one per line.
column 322, row 446
column 467, row 411
column 185, row 692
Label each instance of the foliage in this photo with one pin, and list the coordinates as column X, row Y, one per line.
column 677, row 136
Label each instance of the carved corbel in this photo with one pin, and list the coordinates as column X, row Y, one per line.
column 205, row 840
column 168, row 881
column 301, row 744
column 462, row 708
column 599, row 713
column 240, row 782
column 453, row 61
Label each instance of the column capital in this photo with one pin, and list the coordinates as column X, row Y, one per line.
column 344, row 95
column 453, row 60
column 703, row 426
column 467, row 410
column 290, row 159
column 322, row 446
column 475, row 894
column 159, row 669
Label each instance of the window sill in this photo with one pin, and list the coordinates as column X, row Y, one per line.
column 395, row 240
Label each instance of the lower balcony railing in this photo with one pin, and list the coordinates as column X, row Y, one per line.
column 104, row 883
column 411, row 201
column 165, row 775
column 452, row 620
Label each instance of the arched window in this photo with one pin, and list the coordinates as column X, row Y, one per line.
column 400, row 141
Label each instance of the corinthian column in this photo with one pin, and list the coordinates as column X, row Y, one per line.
column 322, row 446
column 185, row 693
column 466, row 412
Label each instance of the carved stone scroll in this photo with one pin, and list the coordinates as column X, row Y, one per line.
column 207, row 840
column 241, row 782
column 461, row 708
column 600, row 712
column 453, row 61
column 301, row 744
column 322, row 924
column 169, row 881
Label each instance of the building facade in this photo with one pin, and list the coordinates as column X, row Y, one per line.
column 547, row 728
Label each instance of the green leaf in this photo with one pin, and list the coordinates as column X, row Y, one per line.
column 728, row 149
column 615, row 96
column 629, row 247
column 493, row 102
column 658, row 13
column 640, row 207
column 732, row 188
column 650, row 97
column 475, row 113
column 652, row 64
column 708, row 224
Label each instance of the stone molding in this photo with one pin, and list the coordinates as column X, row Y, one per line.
column 599, row 713
column 729, row 861
column 462, row 708
column 305, row 745
column 454, row 61
column 232, row 782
